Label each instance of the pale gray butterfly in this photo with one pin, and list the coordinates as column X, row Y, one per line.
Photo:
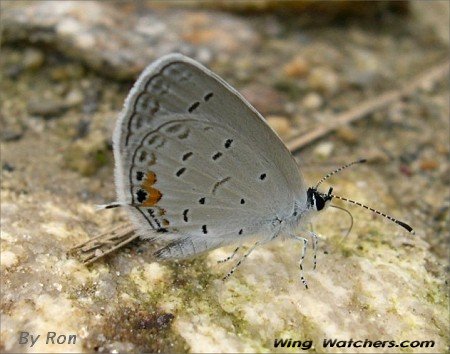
column 198, row 166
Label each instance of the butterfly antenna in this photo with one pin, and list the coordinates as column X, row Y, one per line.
column 398, row 222
column 328, row 175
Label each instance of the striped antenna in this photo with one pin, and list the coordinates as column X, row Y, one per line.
column 328, row 175
column 398, row 222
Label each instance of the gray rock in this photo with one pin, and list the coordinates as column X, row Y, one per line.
column 121, row 46
column 49, row 108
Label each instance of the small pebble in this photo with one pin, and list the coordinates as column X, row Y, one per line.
column 74, row 98
column 298, row 67
column 46, row 108
column 348, row 135
column 324, row 150
column 66, row 72
column 366, row 65
column 312, row 101
column 406, row 170
column 324, row 80
column 428, row 165
column 280, row 124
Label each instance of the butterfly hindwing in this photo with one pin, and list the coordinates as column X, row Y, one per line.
column 196, row 160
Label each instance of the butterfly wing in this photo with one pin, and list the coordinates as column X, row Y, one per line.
column 196, row 162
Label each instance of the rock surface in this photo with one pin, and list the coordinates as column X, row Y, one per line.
column 121, row 46
column 378, row 283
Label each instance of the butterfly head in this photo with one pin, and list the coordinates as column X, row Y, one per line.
column 318, row 201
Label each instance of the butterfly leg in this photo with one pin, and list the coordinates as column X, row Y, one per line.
column 229, row 257
column 302, row 257
column 240, row 261
column 315, row 240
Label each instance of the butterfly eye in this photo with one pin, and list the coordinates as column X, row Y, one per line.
column 320, row 202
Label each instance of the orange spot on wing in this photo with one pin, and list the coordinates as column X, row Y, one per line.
column 153, row 195
column 149, row 181
column 153, row 198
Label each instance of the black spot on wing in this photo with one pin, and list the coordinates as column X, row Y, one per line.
column 180, row 171
column 228, row 143
column 187, row 155
column 216, row 155
column 208, row 96
column 141, row 195
column 193, row 107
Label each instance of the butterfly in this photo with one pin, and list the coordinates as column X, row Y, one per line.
column 198, row 167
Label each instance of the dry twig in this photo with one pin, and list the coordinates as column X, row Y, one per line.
column 364, row 109
column 103, row 244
